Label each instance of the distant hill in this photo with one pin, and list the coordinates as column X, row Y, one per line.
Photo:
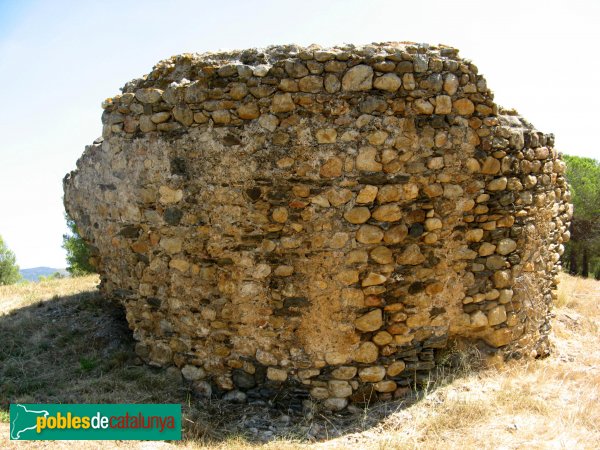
column 35, row 273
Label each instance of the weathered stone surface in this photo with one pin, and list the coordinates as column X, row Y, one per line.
column 347, row 276
column 344, row 372
column 464, row 106
column 335, row 404
column 365, row 161
column 474, row 235
column 498, row 184
column 423, row 106
column 367, row 194
column 372, row 374
column 479, row 320
column 331, row 83
column 160, row 117
column 358, row 78
column 248, row 111
column 184, row 115
column 433, row 223
column 382, row 255
column 387, row 213
column 332, row 168
column 369, row 234
column 192, row 372
column 282, row 103
column 389, row 82
column 371, row 321
column 451, row 84
column 495, row 262
column 499, row 337
column 339, row 388
column 366, row 353
column 502, row 279
column 148, row 95
column 319, row 393
column 395, row 234
column 443, row 104
column 490, row 166
column 496, row 315
column 358, row 215
column 275, row 374
column 326, row 135
column 383, row 338
column 168, row 195
column 506, row 246
column 411, row 255
column 171, row 245
column 435, row 163
column 385, row 386
column 280, row 214
column 396, row 368
column 320, row 216
column 505, row 295
column 296, row 69
column 487, row 249
column 373, row 279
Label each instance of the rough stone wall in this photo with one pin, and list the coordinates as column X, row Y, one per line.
column 321, row 219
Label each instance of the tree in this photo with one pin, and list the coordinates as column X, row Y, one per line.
column 9, row 271
column 78, row 252
column 582, row 256
column 583, row 175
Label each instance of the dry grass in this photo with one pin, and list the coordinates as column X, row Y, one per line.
column 550, row 403
column 16, row 296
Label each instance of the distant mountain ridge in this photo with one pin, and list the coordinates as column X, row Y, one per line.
column 35, row 273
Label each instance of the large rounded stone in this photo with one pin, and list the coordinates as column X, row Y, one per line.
column 372, row 374
column 366, row 353
column 192, row 372
column 382, row 255
column 464, row 106
column 369, row 234
column 411, row 256
column 371, row 321
column 358, row 78
column 358, row 215
column 389, row 82
column 344, row 373
column 506, row 246
column 496, row 315
column 339, row 388
column 387, row 213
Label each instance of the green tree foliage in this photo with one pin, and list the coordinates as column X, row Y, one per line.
column 78, row 253
column 582, row 256
column 9, row 271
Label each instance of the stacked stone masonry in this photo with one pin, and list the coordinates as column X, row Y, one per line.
column 321, row 220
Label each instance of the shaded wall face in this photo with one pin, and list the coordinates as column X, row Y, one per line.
column 329, row 218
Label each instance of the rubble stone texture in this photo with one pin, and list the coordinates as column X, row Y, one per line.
column 321, row 220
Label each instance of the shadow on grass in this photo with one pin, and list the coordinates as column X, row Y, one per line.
column 79, row 349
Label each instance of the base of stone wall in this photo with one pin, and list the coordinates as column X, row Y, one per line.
column 330, row 388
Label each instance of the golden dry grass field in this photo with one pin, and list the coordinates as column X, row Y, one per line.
column 60, row 342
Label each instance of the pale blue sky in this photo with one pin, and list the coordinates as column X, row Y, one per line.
column 60, row 59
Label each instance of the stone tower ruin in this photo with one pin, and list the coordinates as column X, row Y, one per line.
column 321, row 219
